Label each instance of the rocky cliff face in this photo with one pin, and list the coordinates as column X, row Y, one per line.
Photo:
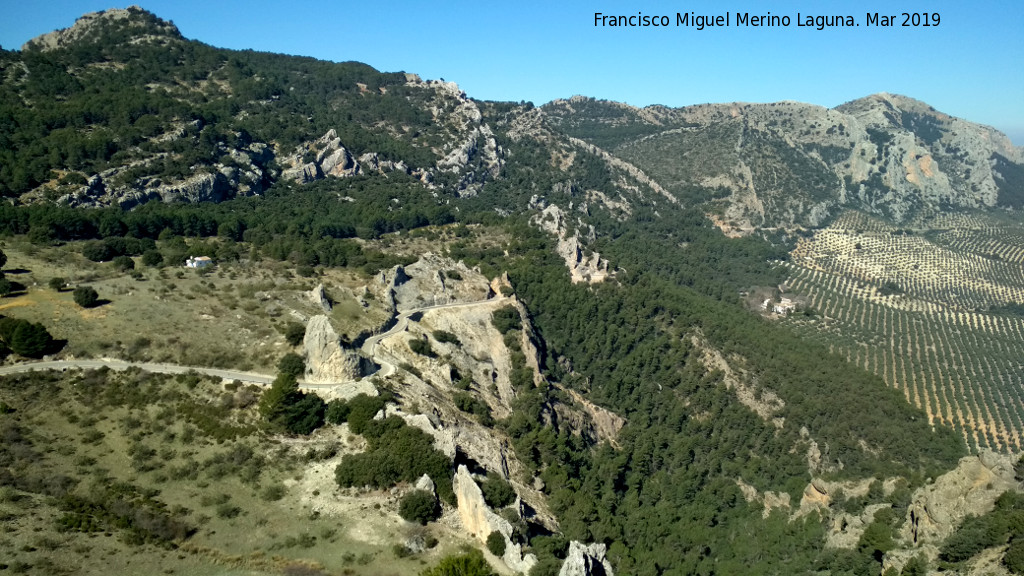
column 326, row 360
column 971, row 488
column 584, row 266
column 479, row 521
column 586, row 560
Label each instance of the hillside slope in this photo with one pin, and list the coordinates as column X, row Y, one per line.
column 627, row 393
column 792, row 164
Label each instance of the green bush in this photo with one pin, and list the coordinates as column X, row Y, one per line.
column 124, row 263
column 916, row 566
column 291, row 364
column 57, row 284
column 86, row 296
column 419, row 506
column 1014, row 557
column 421, row 347
column 294, row 333
column 446, row 337
column 152, row 258
column 25, row 338
column 496, row 544
column 97, row 251
column 471, row 563
column 337, row 412
column 286, row 408
column 498, row 493
column 506, row 319
column 395, row 453
column 361, row 411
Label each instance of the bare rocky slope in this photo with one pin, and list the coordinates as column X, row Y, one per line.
column 793, row 164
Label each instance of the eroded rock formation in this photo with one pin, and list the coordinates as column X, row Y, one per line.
column 326, row 360
column 480, row 521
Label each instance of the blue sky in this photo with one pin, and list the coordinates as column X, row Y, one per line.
column 971, row 65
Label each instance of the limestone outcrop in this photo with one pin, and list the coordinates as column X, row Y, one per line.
column 326, row 360
column 319, row 297
column 479, row 521
column 430, row 281
column 90, row 24
column 323, row 157
column 971, row 488
column 586, row 560
column 584, row 266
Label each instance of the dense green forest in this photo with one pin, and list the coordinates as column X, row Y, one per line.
column 100, row 102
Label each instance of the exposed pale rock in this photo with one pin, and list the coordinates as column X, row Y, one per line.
column 480, row 521
column 89, row 23
column 326, row 360
column 422, row 284
column 970, row 488
column 586, row 560
column 199, row 188
column 583, row 268
column 319, row 297
column 426, row 484
column 346, row 390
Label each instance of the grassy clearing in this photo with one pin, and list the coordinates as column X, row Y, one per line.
column 231, row 316
column 251, row 503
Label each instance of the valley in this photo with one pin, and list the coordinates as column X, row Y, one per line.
column 430, row 334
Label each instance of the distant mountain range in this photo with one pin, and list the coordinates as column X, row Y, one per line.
column 121, row 109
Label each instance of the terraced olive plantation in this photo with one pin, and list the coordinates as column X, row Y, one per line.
column 930, row 309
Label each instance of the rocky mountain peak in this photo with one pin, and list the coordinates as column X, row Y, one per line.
column 131, row 24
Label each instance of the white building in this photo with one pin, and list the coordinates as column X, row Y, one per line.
column 199, row 262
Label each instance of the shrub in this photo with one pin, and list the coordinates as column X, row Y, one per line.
column 86, row 296
column 294, row 333
column 57, row 283
column 421, row 347
column 498, row 493
column 97, row 251
column 337, row 412
column 291, row 364
column 496, row 544
column 24, row 337
column 1014, row 557
column 446, row 337
column 395, row 453
column 152, row 258
column 916, row 566
column 472, row 563
column 506, row 319
column 419, row 506
column 5, row 286
column 283, row 406
column 361, row 411
column 124, row 263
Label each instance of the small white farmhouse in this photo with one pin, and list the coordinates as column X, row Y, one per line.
column 198, row 262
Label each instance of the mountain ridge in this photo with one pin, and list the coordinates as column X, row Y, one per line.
column 780, row 164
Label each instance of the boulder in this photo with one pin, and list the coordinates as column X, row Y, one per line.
column 586, row 560
column 326, row 360
column 426, row 484
column 319, row 297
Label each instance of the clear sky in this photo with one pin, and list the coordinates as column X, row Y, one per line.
column 971, row 65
